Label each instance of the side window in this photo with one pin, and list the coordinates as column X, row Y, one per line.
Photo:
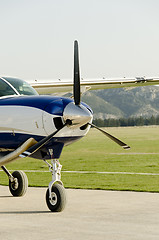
column 5, row 89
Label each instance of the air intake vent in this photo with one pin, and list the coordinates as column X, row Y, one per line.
column 58, row 122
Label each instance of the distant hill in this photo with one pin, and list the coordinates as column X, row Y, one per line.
column 124, row 102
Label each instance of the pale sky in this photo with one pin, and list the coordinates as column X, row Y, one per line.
column 117, row 38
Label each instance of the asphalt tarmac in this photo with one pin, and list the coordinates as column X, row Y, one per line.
column 88, row 215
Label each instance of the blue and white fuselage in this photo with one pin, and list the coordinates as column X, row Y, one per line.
column 25, row 114
column 40, row 126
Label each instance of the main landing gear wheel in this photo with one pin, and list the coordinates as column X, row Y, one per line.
column 19, row 184
column 57, row 201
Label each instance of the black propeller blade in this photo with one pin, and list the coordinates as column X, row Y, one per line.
column 122, row 144
column 76, row 87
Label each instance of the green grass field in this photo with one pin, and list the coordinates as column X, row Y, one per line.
column 95, row 152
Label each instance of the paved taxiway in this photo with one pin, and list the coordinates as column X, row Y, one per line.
column 88, row 215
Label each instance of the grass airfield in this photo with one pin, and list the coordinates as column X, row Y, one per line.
column 136, row 169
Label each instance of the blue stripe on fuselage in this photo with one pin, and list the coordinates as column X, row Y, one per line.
column 50, row 104
column 10, row 141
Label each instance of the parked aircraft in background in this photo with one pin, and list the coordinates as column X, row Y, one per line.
column 39, row 126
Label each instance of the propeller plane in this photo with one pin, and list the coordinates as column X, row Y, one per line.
column 39, row 126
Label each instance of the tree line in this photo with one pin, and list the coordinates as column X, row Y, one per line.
column 125, row 122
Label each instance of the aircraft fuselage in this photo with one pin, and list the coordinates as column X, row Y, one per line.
column 23, row 117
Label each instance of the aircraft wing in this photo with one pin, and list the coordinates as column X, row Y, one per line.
column 61, row 85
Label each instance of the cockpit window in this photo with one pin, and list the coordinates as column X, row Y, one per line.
column 5, row 89
column 21, row 86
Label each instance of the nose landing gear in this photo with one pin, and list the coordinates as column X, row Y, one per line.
column 55, row 194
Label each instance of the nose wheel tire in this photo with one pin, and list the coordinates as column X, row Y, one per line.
column 19, row 184
column 57, row 201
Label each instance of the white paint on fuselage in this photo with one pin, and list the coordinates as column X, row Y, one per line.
column 21, row 119
column 34, row 121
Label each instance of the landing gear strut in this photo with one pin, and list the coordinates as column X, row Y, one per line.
column 18, row 182
column 55, row 194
